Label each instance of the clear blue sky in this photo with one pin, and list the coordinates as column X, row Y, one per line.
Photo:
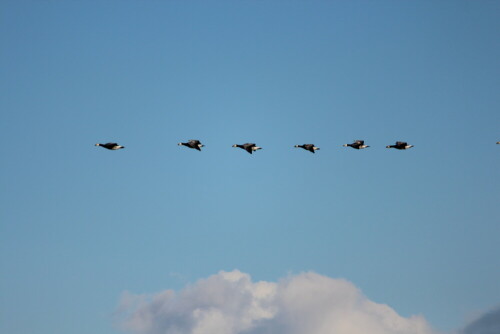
column 418, row 230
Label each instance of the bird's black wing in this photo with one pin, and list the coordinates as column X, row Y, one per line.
column 309, row 147
column 248, row 147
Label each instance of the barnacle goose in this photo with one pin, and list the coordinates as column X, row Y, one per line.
column 308, row 147
column 193, row 143
column 110, row 146
column 249, row 147
column 400, row 145
column 358, row 144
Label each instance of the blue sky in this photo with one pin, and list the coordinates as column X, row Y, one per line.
column 417, row 230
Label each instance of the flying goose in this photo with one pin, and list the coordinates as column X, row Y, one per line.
column 249, row 147
column 309, row 147
column 400, row 145
column 193, row 143
column 498, row 142
column 110, row 146
column 358, row 144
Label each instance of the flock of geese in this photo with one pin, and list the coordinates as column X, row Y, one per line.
column 251, row 147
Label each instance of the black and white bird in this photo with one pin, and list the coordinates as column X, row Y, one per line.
column 249, row 147
column 400, row 145
column 193, row 143
column 358, row 144
column 110, row 146
column 308, row 147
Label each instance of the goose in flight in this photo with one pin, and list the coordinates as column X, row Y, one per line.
column 193, row 143
column 308, row 147
column 110, row 146
column 358, row 144
column 249, row 147
column 400, row 145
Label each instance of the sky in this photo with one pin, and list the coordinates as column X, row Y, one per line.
column 158, row 238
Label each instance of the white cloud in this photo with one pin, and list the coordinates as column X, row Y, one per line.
column 230, row 303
